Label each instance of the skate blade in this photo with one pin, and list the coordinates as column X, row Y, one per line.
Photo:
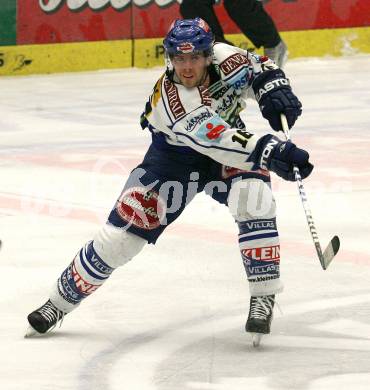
column 30, row 332
column 256, row 339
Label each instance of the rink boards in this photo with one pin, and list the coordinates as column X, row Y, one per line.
column 146, row 53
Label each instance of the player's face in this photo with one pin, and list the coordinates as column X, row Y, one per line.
column 190, row 68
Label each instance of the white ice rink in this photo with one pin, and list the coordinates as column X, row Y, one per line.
column 173, row 318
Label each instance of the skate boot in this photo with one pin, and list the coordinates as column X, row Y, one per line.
column 44, row 319
column 279, row 53
column 260, row 316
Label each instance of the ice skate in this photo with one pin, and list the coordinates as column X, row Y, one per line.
column 259, row 318
column 279, row 53
column 44, row 319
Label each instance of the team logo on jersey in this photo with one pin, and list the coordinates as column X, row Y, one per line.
column 212, row 130
column 141, row 208
column 186, row 47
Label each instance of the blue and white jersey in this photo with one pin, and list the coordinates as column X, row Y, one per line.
column 207, row 119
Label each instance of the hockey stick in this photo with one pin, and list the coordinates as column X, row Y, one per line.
column 333, row 247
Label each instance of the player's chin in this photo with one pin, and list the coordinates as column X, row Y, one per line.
column 189, row 82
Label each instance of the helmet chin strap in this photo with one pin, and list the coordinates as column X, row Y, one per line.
column 167, row 62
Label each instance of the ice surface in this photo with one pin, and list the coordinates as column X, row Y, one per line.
column 173, row 318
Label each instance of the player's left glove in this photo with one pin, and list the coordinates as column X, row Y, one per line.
column 280, row 157
column 274, row 96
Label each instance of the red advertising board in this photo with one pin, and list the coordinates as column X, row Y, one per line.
column 313, row 14
column 50, row 21
column 54, row 21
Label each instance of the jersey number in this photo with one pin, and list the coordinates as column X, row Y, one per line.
column 242, row 137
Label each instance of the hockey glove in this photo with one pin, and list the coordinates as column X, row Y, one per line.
column 280, row 157
column 274, row 96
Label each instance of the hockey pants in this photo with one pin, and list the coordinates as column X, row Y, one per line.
column 155, row 194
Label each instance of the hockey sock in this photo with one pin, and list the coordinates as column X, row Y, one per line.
column 82, row 277
column 260, row 250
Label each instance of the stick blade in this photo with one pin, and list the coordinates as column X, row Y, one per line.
column 331, row 250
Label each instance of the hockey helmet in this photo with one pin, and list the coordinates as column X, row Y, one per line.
column 188, row 36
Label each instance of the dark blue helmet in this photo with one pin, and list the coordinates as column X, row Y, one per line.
column 188, row 36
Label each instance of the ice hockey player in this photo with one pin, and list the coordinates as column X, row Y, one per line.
column 250, row 16
column 198, row 138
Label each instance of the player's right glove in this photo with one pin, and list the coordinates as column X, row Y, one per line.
column 274, row 96
column 280, row 157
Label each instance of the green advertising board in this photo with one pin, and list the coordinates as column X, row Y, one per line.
column 8, row 12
